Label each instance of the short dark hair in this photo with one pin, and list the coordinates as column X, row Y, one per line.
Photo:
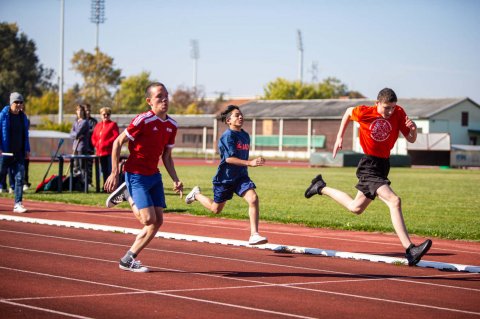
column 151, row 85
column 387, row 95
column 226, row 114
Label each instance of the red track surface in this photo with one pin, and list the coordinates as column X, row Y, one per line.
column 57, row 272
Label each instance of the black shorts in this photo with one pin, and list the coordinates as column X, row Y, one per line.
column 372, row 172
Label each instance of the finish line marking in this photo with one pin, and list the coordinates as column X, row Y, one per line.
column 240, row 243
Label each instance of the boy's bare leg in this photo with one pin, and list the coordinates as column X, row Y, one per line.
column 209, row 204
column 388, row 196
column 356, row 206
column 253, row 209
column 152, row 219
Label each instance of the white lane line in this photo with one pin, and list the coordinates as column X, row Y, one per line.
column 245, row 307
column 284, row 314
column 240, row 243
column 43, row 309
column 362, row 277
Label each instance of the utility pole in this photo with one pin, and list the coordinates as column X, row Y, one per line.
column 60, row 80
column 195, row 55
column 300, row 55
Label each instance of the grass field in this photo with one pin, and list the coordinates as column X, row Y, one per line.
column 440, row 203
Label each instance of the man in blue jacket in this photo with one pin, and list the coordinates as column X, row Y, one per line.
column 14, row 145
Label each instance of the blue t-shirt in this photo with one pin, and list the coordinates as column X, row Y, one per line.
column 232, row 144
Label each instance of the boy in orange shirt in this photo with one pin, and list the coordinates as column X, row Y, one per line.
column 380, row 126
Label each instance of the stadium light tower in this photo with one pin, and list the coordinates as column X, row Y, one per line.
column 300, row 55
column 195, row 55
column 97, row 15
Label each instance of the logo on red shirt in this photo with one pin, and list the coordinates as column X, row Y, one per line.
column 380, row 130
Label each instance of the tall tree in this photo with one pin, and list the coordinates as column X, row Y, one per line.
column 99, row 76
column 20, row 68
column 282, row 89
column 130, row 97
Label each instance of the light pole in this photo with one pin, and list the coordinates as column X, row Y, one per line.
column 97, row 16
column 300, row 55
column 195, row 55
column 60, row 80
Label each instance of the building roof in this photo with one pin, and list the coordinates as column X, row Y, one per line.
column 335, row 108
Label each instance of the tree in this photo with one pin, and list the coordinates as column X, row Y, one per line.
column 282, row 89
column 99, row 76
column 130, row 97
column 20, row 68
column 187, row 101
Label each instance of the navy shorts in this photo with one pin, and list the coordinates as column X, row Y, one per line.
column 224, row 192
column 146, row 190
column 372, row 172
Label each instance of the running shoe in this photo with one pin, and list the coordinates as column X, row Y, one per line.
column 132, row 265
column 316, row 187
column 191, row 196
column 256, row 239
column 19, row 208
column 118, row 196
column 415, row 253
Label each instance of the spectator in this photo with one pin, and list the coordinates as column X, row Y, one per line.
column 81, row 136
column 14, row 140
column 92, row 122
column 104, row 134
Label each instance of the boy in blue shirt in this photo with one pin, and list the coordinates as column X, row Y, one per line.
column 232, row 174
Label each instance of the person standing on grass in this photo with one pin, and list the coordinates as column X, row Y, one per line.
column 232, row 174
column 104, row 134
column 149, row 136
column 14, row 139
column 81, row 139
column 380, row 126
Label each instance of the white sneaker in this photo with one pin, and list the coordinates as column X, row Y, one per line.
column 19, row 208
column 191, row 196
column 133, row 265
column 25, row 187
column 119, row 195
column 256, row 239
column 11, row 190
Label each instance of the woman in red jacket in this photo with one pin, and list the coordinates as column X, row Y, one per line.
column 103, row 136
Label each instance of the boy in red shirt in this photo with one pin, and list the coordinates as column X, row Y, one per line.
column 380, row 126
column 150, row 135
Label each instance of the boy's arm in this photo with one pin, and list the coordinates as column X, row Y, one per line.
column 341, row 131
column 412, row 135
column 170, row 167
column 112, row 181
column 259, row 161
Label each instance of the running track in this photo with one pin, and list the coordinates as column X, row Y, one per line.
column 59, row 272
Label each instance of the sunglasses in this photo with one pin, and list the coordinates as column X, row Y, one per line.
column 18, row 102
column 106, row 114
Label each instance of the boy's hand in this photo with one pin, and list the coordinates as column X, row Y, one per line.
column 178, row 188
column 337, row 146
column 259, row 161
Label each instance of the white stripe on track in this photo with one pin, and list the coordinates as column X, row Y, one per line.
column 240, row 243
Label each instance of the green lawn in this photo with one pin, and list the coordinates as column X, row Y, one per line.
column 440, row 203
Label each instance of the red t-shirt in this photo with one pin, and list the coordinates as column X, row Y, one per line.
column 149, row 135
column 377, row 134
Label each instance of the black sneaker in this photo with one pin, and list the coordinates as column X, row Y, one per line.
column 117, row 196
column 132, row 265
column 415, row 253
column 316, row 187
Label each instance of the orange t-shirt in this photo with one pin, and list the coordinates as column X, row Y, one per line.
column 377, row 134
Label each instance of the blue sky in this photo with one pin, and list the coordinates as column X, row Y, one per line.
column 420, row 48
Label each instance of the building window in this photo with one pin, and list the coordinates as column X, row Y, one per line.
column 464, row 118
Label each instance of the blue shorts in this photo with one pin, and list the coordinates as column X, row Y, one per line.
column 146, row 191
column 224, row 192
